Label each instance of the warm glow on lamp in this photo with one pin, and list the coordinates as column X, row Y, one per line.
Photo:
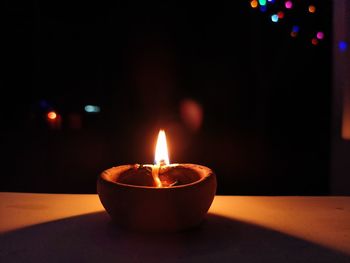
column 161, row 154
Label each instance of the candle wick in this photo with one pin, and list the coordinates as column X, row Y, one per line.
column 155, row 174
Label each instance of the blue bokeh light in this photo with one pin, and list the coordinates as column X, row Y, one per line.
column 295, row 29
column 263, row 8
column 274, row 18
column 343, row 46
column 92, row 109
column 44, row 104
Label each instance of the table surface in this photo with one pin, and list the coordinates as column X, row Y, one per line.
column 76, row 228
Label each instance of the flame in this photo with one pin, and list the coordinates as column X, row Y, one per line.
column 161, row 155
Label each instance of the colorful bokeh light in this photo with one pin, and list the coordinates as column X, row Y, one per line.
column 92, row 108
column 191, row 114
column 254, row 3
column 295, row 29
column 288, row 4
column 280, row 14
column 274, row 18
column 263, row 8
column 52, row 115
column 343, row 46
column 282, row 11
column 320, row 35
column 312, row 8
column 262, row 2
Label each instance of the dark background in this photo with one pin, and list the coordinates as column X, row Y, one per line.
column 265, row 96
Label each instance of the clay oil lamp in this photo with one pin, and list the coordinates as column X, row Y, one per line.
column 160, row 197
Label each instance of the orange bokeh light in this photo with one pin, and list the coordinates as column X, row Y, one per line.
column 312, row 9
column 52, row 115
column 254, row 3
column 192, row 114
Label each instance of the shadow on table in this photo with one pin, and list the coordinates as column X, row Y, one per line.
column 93, row 238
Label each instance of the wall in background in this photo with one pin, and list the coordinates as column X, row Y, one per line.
column 264, row 95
